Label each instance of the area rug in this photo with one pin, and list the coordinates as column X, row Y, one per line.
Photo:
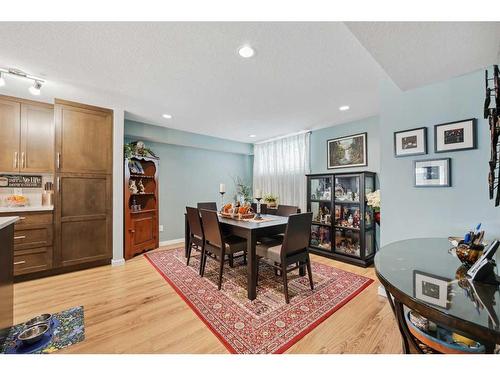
column 266, row 324
column 68, row 329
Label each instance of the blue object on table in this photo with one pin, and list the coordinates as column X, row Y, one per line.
column 467, row 237
column 21, row 348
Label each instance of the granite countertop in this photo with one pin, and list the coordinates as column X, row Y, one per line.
column 26, row 209
column 6, row 221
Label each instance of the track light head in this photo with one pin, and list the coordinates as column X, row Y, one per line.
column 2, row 79
column 35, row 89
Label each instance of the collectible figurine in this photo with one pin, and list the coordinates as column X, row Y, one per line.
column 140, row 185
column 132, row 187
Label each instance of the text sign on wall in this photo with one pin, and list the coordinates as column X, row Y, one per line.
column 19, row 181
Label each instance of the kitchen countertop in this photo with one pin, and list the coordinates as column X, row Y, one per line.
column 6, row 221
column 26, row 209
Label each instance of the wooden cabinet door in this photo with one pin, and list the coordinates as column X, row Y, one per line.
column 143, row 232
column 10, row 115
column 37, row 138
column 83, row 138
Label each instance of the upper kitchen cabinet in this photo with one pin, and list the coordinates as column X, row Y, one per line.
column 27, row 142
column 83, row 136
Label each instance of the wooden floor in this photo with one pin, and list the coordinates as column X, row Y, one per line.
column 131, row 309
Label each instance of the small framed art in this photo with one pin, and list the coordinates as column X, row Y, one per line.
column 432, row 172
column 455, row 136
column 345, row 152
column 410, row 142
column 431, row 289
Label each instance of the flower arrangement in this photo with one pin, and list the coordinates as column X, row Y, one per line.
column 270, row 199
column 374, row 200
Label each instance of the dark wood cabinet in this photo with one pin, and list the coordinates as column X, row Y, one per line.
column 141, row 208
column 6, row 281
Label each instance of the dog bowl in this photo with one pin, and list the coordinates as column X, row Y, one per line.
column 33, row 334
column 40, row 319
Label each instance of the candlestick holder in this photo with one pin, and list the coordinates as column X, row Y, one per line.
column 258, row 215
column 222, row 199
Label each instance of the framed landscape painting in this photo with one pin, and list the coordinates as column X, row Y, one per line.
column 410, row 142
column 345, row 152
column 455, row 136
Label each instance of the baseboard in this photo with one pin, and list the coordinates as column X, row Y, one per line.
column 381, row 291
column 172, row 242
column 117, row 262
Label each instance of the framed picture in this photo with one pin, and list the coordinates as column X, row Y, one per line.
column 410, row 142
column 432, row 289
column 345, row 152
column 455, row 136
column 432, row 172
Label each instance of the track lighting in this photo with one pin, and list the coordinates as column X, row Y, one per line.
column 37, row 82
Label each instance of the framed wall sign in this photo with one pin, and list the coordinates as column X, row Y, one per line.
column 410, row 142
column 20, row 181
column 432, row 172
column 455, row 136
column 431, row 289
column 345, row 152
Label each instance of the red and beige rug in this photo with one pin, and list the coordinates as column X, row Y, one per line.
column 267, row 324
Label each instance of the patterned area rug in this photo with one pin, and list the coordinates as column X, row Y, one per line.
column 267, row 324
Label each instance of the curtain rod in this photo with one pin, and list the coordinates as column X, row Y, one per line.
column 283, row 136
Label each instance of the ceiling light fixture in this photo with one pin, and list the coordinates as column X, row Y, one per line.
column 252, row 136
column 344, row 108
column 37, row 82
column 35, row 89
column 167, row 116
column 246, row 51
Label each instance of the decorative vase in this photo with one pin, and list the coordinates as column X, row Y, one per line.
column 377, row 217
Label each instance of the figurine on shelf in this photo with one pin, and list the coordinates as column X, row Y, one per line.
column 138, row 148
column 140, row 185
column 132, row 187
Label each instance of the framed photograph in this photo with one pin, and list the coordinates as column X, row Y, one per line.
column 432, row 172
column 432, row 289
column 345, row 152
column 455, row 136
column 410, row 142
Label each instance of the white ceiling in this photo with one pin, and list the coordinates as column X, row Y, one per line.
column 300, row 75
column 418, row 53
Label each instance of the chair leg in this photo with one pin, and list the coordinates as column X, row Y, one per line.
column 309, row 272
column 190, row 247
column 276, row 272
column 221, row 269
column 285, row 283
column 202, row 258
column 231, row 260
column 204, row 263
column 245, row 258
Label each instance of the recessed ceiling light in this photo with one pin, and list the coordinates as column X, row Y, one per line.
column 344, row 108
column 166, row 115
column 35, row 89
column 252, row 136
column 246, row 52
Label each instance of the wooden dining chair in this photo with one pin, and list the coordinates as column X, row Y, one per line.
column 217, row 244
column 196, row 235
column 284, row 210
column 263, row 208
column 207, row 206
column 293, row 251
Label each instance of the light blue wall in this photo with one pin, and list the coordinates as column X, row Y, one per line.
column 409, row 212
column 191, row 174
column 319, row 138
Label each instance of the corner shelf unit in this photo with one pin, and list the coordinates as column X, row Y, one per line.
column 141, row 225
column 343, row 225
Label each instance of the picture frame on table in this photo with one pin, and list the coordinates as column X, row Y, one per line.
column 432, row 172
column 455, row 136
column 347, row 152
column 432, row 289
column 410, row 142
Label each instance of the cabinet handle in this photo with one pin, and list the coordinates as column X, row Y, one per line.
column 22, row 218
column 23, row 160
column 19, row 237
column 16, row 160
column 58, row 184
column 19, row 262
column 58, row 160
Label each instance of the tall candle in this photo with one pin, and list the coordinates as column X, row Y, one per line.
column 222, row 188
column 258, row 194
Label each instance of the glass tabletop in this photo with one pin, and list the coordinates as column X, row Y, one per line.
column 425, row 270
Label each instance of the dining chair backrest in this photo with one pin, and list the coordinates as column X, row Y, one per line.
column 194, row 221
column 211, row 227
column 297, row 233
column 263, row 208
column 207, row 206
column 284, row 210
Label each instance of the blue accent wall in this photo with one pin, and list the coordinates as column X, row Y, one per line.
column 191, row 172
column 409, row 212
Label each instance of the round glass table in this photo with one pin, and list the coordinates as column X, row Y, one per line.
column 424, row 276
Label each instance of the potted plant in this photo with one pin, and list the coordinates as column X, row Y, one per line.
column 374, row 202
column 243, row 191
column 271, row 200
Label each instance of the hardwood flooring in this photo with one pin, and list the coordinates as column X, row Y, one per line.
column 131, row 309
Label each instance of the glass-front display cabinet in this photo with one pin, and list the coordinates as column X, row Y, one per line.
column 343, row 225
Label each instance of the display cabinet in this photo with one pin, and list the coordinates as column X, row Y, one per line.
column 343, row 225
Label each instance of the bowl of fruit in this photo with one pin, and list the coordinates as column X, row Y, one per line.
column 16, row 200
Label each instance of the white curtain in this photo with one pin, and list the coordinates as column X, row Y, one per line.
column 280, row 167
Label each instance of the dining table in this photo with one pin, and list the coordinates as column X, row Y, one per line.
column 251, row 230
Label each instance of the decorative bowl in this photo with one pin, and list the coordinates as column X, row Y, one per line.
column 468, row 255
column 40, row 319
column 33, row 334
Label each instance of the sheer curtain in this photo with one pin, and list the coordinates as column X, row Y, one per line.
column 280, row 167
